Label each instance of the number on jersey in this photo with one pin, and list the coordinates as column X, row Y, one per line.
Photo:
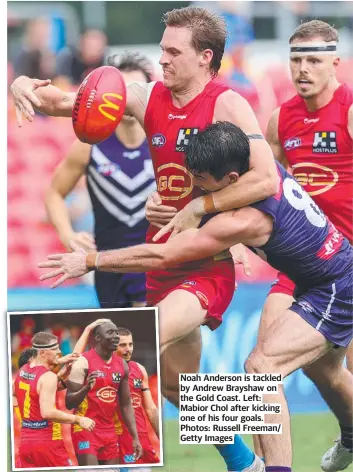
column 300, row 200
column 27, row 403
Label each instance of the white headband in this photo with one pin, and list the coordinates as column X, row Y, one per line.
column 317, row 47
column 45, row 346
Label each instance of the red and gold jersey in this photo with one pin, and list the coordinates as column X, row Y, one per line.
column 34, row 427
column 169, row 130
column 319, row 149
column 135, row 384
column 100, row 402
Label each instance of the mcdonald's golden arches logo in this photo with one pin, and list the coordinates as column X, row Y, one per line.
column 109, row 105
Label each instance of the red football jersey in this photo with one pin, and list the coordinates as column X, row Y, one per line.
column 319, row 149
column 135, row 384
column 100, row 402
column 169, row 130
column 34, row 427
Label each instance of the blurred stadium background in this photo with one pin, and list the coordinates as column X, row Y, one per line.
column 47, row 40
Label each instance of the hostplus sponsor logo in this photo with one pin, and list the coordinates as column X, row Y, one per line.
column 138, row 383
column 184, row 137
column 325, row 142
column 116, row 377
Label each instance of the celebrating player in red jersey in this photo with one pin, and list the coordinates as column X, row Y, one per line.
column 313, row 134
column 106, row 377
column 142, row 403
column 41, row 443
column 171, row 113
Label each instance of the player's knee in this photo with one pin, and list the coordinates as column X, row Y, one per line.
column 256, row 363
column 259, row 363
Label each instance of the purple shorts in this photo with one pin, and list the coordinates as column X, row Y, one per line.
column 120, row 290
column 329, row 309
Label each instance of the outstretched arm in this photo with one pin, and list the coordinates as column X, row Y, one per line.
column 30, row 94
column 220, row 233
column 33, row 93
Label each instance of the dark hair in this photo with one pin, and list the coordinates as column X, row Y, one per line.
column 209, row 31
column 25, row 356
column 124, row 332
column 43, row 338
column 132, row 61
column 217, row 150
column 313, row 29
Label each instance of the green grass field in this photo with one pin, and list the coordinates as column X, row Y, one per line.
column 312, row 436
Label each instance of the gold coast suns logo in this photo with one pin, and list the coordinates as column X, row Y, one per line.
column 108, row 105
column 106, row 394
column 179, row 183
column 315, row 178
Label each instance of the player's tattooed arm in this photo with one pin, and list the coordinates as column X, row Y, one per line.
column 273, row 139
column 148, row 403
column 350, row 121
column 127, row 411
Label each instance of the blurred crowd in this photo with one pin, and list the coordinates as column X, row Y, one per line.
column 68, row 335
column 35, row 150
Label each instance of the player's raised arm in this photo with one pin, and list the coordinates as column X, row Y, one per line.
column 127, row 411
column 81, row 344
column 273, row 139
column 148, row 403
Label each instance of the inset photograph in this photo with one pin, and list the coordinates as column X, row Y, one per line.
column 85, row 388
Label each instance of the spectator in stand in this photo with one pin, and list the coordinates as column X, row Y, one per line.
column 35, row 56
column 70, row 339
column 240, row 35
column 74, row 64
column 22, row 339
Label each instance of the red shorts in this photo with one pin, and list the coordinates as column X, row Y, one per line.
column 104, row 445
column 214, row 288
column 283, row 284
column 149, row 455
column 43, row 454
